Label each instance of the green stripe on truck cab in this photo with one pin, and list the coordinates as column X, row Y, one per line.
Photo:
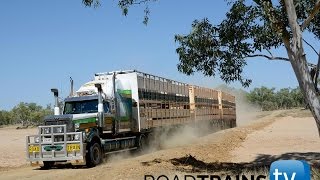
column 124, row 91
column 86, row 120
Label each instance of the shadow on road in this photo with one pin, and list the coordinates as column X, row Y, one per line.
column 262, row 163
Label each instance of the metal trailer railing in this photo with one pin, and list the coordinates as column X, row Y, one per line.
column 55, row 146
column 202, row 103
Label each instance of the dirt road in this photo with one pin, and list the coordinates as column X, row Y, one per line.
column 286, row 138
column 259, row 142
column 12, row 147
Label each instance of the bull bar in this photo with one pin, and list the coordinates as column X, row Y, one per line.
column 55, row 146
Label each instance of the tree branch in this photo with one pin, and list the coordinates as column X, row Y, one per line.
column 280, row 58
column 318, row 60
column 311, row 46
column 269, row 57
column 269, row 52
column 139, row 2
column 313, row 13
column 317, row 73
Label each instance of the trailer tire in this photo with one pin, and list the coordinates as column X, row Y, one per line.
column 94, row 156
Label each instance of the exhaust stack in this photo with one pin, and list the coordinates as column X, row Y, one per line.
column 100, row 106
column 71, row 87
column 116, row 122
column 56, row 104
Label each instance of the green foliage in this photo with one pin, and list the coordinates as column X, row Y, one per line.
column 5, row 118
column 249, row 27
column 89, row 3
column 124, row 6
column 25, row 113
column 269, row 99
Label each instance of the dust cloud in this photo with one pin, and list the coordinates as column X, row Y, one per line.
column 246, row 112
column 171, row 137
column 116, row 157
column 180, row 136
column 166, row 138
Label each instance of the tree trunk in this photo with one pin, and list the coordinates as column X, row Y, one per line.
column 299, row 63
column 307, row 87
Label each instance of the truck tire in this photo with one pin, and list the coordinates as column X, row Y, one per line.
column 94, row 156
column 142, row 143
column 47, row 164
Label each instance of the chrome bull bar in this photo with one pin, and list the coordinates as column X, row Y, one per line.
column 54, row 143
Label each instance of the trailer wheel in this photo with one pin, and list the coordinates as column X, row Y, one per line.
column 94, row 156
column 47, row 164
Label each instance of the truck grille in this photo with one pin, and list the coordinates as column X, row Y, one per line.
column 60, row 120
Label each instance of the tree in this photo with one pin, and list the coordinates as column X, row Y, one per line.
column 269, row 99
column 2, row 120
column 297, row 97
column 263, row 97
column 250, row 29
column 21, row 113
column 5, row 118
column 284, row 99
column 29, row 113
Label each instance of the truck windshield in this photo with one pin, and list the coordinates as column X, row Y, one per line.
column 79, row 107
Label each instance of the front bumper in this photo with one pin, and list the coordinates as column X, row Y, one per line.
column 55, row 146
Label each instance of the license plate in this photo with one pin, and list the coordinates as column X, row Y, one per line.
column 34, row 149
column 71, row 147
column 47, row 140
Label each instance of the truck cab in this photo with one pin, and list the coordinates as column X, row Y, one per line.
column 87, row 128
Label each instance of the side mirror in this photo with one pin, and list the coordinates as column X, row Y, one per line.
column 55, row 92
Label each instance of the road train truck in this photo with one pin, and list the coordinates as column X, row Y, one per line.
column 119, row 111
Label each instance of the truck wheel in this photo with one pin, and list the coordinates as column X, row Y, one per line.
column 142, row 144
column 94, row 156
column 47, row 164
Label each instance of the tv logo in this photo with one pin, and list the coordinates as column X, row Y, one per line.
column 290, row 170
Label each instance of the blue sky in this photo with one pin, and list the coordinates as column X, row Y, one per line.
column 43, row 43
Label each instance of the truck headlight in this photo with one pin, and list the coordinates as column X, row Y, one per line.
column 46, row 130
column 37, row 139
column 76, row 137
column 59, row 129
column 84, row 135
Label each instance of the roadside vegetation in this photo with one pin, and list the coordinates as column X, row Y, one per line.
column 269, row 99
column 26, row 114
